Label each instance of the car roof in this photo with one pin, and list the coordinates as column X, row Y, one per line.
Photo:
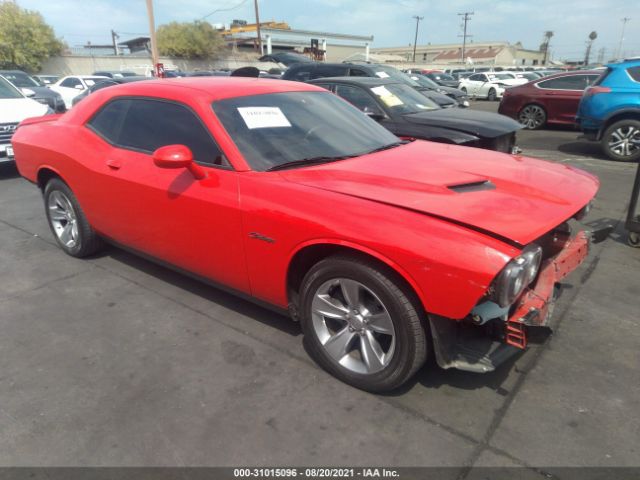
column 368, row 81
column 214, row 88
column 627, row 64
column 570, row 74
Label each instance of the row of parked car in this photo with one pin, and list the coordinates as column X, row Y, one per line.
column 424, row 104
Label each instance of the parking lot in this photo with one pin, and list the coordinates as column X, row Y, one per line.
column 117, row 361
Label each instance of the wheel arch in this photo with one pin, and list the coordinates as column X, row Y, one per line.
column 626, row 114
column 46, row 173
column 310, row 253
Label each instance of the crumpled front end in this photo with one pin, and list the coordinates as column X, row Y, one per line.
column 492, row 333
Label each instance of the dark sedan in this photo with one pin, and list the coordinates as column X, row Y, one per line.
column 302, row 72
column 109, row 82
column 454, row 93
column 548, row 100
column 32, row 89
column 408, row 114
column 443, row 79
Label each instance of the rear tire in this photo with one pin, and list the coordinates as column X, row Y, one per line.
column 371, row 337
column 532, row 117
column 634, row 239
column 621, row 141
column 67, row 221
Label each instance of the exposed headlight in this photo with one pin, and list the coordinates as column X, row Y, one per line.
column 517, row 275
column 49, row 111
column 41, row 100
column 584, row 211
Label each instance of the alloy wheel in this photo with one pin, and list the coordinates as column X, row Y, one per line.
column 63, row 218
column 353, row 325
column 625, row 141
column 532, row 117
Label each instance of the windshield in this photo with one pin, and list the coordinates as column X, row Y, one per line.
column 278, row 128
column 424, row 81
column 7, row 90
column 385, row 71
column 20, row 80
column 402, row 99
column 443, row 76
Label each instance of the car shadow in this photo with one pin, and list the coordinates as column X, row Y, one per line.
column 583, row 148
column 208, row 292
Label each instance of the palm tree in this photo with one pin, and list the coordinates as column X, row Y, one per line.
column 544, row 46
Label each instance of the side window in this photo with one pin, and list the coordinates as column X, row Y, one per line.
column 70, row 82
column 108, row 121
column 358, row 98
column 145, row 124
column 634, row 72
column 572, row 82
column 302, row 75
column 477, row 77
column 322, row 71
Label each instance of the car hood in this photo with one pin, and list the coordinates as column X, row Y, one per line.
column 452, row 91
column 44, row 92
column 17, row 109
column 512, row 81
column 481, row 124
column 513, row 198
column 440, row 98
column 449, row 83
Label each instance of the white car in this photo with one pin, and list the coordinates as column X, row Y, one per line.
column 489, row 85
column 73, row 85
column 14, row 107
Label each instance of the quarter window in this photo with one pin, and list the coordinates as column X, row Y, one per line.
column 146, row 125
column 634, row 72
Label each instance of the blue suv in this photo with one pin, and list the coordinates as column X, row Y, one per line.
column 609, row 111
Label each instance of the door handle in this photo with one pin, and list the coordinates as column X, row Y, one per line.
column 114, row 164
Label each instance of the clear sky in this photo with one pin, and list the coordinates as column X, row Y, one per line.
column 389, row 21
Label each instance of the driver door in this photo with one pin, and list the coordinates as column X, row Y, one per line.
column 166, row 213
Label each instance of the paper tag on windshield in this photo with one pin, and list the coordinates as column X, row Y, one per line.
column 263, row 117
column 382, row 74
column 389, row 99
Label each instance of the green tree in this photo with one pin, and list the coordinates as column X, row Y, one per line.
column 25, row 39
column 189, row 40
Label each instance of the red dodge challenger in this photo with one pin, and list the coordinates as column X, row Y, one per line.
column 286, row 194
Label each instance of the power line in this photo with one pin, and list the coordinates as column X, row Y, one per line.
column 225, row 9
column 466, row 17
column 415, row 40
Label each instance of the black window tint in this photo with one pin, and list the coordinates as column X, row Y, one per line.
column 108, row 121
column 478, row 77
column 358, row 98
column 70, row 83
column 151, row 124
column 301, row 74
column 329, row 71
column 634, row 72
column 572, row 82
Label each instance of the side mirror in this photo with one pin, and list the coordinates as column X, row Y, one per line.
column 377, row 116
column 177, row 156
column 28, row 92
column 78, row 87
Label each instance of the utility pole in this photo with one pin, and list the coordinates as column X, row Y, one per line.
column 466, row 17
column 255, row 3
column 415, row 40
column 152, row 33
column 114, row 39
column 624, row 24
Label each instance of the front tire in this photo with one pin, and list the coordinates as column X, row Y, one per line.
column 67, row 221
column 621, row 141
column 634, row 239
column 361, row 325
column 492, row 95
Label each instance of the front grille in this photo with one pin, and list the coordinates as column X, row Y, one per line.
column 6, row 132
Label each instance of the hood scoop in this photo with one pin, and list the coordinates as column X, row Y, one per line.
column 472, row 187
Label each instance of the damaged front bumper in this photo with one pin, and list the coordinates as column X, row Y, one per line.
column 465, row 346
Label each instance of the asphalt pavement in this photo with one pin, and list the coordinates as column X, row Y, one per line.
column 116, row 361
